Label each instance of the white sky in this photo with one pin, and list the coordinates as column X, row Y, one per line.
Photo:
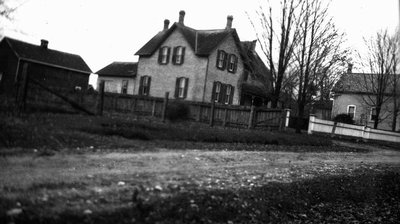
column 103, row 31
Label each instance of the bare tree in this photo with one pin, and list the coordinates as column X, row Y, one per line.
column 380, row 82
column 278, row 44
column 318, row 56
column 396, row 92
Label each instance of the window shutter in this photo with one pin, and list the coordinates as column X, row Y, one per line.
column 177, row 87
column 160, row 55
column 235, row 64
column 183, row 54
column 222, row 94
column 213, row 92
column 168, row 53
column 174, row 55
column 225, row 60
column 231, row 96
column 186, row 87
column 141, row 86
column 148, row 87
column 218, row 55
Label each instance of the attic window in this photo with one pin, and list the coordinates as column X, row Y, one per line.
column 163, row 55
column 178, row 55
column 221, row 59
column 232, row 64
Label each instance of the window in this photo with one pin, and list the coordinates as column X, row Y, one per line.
column 228, row 94
column 124, row 87
column 181, row 87
column 222, row 93
column 221, row 59
column 373, row 116
column 1, row 76
column 144, row 87
column 351, row 110
column 163, row 55
column 232, row 64
column 178, row 55
column 216, row 92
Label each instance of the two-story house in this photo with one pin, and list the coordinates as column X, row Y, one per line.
column 200, row 65
column 118, row 77
column 353, row 96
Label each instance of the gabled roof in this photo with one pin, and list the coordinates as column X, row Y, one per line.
column 41, row 55
column 360, row 83
column 119, row 69
column 202, row 42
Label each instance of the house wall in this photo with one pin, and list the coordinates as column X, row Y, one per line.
column 223, row 76
column 363, row 111
column 8, row 67
column 114, row 84
column 56, row 77
column 163, row 77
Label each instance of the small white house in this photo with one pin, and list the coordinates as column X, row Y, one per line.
column 118, row 77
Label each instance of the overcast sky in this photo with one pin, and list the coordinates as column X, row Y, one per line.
column 102, row 31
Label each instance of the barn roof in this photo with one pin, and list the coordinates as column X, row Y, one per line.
column 43, row 55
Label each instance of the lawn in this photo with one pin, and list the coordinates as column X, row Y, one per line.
column 63, row 168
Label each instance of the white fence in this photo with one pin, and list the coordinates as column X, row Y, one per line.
column 324, row 126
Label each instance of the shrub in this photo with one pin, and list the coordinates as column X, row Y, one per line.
column 177, row 111
column 344, row 118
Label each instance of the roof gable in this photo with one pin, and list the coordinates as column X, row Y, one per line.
column 38, row 54
column 202, row 42
column 119, row 69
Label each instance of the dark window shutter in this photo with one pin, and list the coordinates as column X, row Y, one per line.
column 160, row 55
column 148, row 87
column 186, row 87
column 222, row 94
column 141, row 86
column 174, row 55
column 231, row 96
column 235, row 64
column 183, row 54
column 213, row 92
column 168, row 53
column 177, row 87
column 225, row 60
column 218, row 57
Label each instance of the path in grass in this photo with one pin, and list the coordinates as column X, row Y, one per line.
column 96, row 184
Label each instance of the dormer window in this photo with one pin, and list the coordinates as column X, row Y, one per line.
column 178, row 55
column 163, row 55
column 232, row 63
column 221, row 59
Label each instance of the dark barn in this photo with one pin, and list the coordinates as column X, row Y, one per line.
column 54, row 69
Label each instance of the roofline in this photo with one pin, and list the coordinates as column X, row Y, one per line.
column 55, row 66
column 118, row 76
column 11, row 46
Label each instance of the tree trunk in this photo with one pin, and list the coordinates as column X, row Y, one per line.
column 376, row 121
column 300, row 115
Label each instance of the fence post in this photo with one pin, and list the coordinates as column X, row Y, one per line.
column 250, row 125
column 365, row 133
column 225, row 117
column 311, row 123
column 212, row 113
column 287, row 118
column 165, row 105
column 198, row 118
column 100, row 99
column 153, row 109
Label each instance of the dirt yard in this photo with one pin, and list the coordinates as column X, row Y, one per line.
column 88, row 185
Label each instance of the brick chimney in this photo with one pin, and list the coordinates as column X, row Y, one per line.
column 44, row 43
column 349, row 68
column 229, row 22
column 166, row 24
column 181, row 17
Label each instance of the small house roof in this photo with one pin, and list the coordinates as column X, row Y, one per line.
column 360, row 83
column 43, row 55
column 119, row 69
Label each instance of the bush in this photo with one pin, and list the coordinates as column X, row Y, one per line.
column 177, row 111
column 344, row 118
